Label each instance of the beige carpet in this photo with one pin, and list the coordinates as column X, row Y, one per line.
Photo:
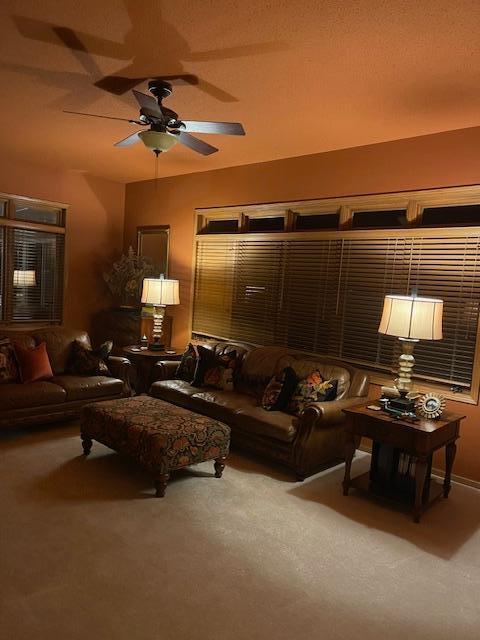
column 86, row 552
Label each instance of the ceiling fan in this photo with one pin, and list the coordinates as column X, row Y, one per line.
column 165, row 129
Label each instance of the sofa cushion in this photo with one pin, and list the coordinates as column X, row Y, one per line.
column 259, row 365
column 86, row 387
column 20, row 337
column 274, row 424
column 221, row 404
column 176, row 391
column 303, row 366
column 59, row 342
column 34, row 394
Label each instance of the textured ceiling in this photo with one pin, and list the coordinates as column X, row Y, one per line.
column 303, row 76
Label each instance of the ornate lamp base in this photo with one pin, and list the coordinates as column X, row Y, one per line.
column 158, row 316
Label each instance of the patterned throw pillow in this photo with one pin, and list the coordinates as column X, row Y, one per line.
column 313, row 388
column 279, row 391
column 186, row 369
column 87, row 362
column 8, row 363
column 215, row 371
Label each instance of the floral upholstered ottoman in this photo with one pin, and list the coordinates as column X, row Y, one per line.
column 160, row 436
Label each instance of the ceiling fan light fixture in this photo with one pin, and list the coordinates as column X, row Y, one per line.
column 157, row 141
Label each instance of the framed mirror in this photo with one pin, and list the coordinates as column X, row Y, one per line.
column 152, row 242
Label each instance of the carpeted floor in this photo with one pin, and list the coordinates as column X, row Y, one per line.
column 87, row 553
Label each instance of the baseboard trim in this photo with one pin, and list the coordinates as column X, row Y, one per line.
column 438, row 473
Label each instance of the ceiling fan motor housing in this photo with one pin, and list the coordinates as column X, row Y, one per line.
column 160, row 88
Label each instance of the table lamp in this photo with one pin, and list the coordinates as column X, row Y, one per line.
column 159, row 292
column 410, row 318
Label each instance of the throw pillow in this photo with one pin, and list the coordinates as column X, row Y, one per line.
column 8, row 363
column 215, row 371
column 186, row 369
column 88, row 362
column 313, row 388
column 33, row 364
column 279, row 391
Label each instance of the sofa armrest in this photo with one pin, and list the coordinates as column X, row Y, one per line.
column 164, row 370
column 331, row 412
column 121, row 368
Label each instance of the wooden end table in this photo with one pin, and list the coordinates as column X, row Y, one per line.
column 144, row 361
column 402, row 451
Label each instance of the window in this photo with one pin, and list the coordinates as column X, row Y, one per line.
column 451, row 216
column 312, row 221
column 266, row 223
column 31, row 262
column 379, row 219
column 318, row 286
column 218, row 225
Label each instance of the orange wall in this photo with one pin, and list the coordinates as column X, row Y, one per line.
column 439, row 160
column 94, row 228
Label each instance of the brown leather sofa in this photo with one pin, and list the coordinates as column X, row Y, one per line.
column 304, row 444
column 63, row 395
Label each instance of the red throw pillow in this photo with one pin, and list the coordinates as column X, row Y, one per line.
column 33, row 363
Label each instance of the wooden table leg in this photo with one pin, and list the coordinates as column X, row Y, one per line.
column 86, row 444
column 161, row 484
column 420, row 475
column 349, row 453
column 219, row 466
column 450, row 452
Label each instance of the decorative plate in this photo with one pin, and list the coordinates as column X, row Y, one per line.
column 430, row 405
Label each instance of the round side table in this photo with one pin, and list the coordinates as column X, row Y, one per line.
column 144, row 361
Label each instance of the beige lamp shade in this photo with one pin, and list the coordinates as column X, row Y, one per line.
column 160, row 291
column 24, row 278
column 412, row 317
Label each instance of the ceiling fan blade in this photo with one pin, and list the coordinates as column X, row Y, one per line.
column 118, row 85
column 126, row 142
column 227, row 128
column 181, row 79
column 95, row 115
column 195, row 143
column 148, row 103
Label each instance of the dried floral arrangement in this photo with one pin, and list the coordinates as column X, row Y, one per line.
column 124, row 280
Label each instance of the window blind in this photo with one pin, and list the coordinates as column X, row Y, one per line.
column 36, row 275
column 326, row 296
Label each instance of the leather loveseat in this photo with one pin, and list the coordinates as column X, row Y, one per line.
column 304, row 444
column 63, row 395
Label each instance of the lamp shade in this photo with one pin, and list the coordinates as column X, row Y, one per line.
column 157, row 140
column 24, row 278
column 160, row 291
column 412, row 317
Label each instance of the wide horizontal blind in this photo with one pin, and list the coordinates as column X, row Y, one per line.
column 258, row 284
column 36, row 275
column 213, row 288
column 326, row 296
column 309, row 297
column 448, row 268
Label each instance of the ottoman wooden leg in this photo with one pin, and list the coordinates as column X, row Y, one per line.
column 161, row 484
column 86, row 444
column 219, row 466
